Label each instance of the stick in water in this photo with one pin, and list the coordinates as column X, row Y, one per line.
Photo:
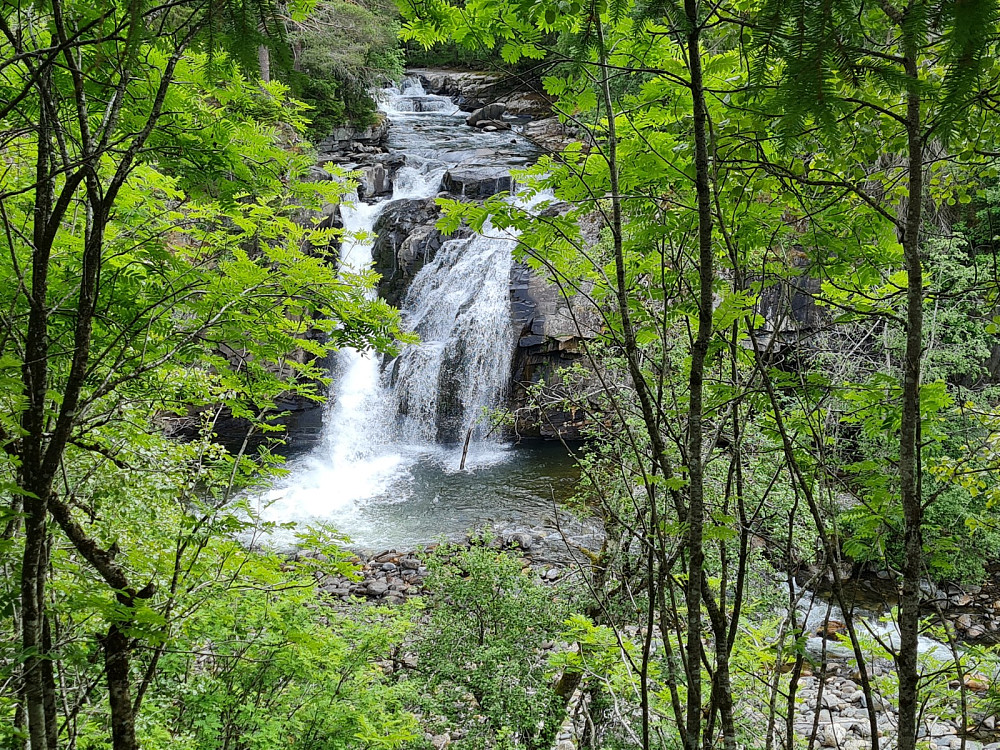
column 465, row 450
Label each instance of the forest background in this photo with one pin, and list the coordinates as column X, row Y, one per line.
column 155, row 207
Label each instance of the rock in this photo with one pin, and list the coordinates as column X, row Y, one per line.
column 374, row 180
column 553, row 335
column 974, row 632
column 833, row 735
column 832, row 702
column 963, row 622
column 389, row 567
column 377, row 588
column 977, row 683
column 831, row 630
column 551, row 574
column 472, row 90
column 491, row 126
column 343, row 139
column 524, row 541
column 441, row 741
column 470, row 181
column 549, row 134
column 940, row 729
column 409, row 563
column 489, row 112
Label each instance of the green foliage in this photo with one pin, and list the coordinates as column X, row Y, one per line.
column 263, row 664
column 238, row 641
column 343, row 50
column 481, row 648
column 181, row 270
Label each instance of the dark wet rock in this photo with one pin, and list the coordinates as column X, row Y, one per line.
column 301, row 418
column 552, row 334
column 407, row 241
column 489, row 113
column 477, row 183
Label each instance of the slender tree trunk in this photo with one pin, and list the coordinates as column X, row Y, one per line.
column 264, row 59
column 909, row 437
column 48, row 673
column 699, row 353
column 33, row 480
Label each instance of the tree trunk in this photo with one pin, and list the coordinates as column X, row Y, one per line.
column 699, row 352
column 909, row 437
column 33, row 481
column 264, row 58
column 117, row 672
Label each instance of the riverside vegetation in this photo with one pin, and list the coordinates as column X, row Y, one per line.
column 792, row 387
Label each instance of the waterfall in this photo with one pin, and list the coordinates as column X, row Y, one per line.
column 387, row 421
column 459, row 306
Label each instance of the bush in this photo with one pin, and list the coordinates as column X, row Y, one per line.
column 481, row 650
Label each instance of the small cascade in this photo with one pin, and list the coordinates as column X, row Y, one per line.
column 459, row 306
column 410, row 97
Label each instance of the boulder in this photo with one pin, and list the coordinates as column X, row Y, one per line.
column 346, row 139
column 377, row 588
column 549, row 134
column 831, row 630
column 491, row 126
column 469, row 181
column 407, row 241
column 489, row 112
column 374, row 181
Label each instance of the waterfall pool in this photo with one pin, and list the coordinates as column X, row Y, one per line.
column 414, row 496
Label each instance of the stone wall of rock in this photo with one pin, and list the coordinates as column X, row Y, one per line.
column 407, row 241
column 474, row 89
column 551, row 334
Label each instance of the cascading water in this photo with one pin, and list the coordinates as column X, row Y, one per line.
column 386, row 469
column 459, row 306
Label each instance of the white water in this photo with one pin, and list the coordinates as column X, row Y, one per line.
column 385, row 425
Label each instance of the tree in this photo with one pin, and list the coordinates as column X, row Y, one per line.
column 120, row 274
column 919, row 89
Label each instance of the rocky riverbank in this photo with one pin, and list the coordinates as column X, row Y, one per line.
column 553, row 551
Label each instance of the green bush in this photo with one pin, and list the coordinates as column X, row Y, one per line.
column 481, row 649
